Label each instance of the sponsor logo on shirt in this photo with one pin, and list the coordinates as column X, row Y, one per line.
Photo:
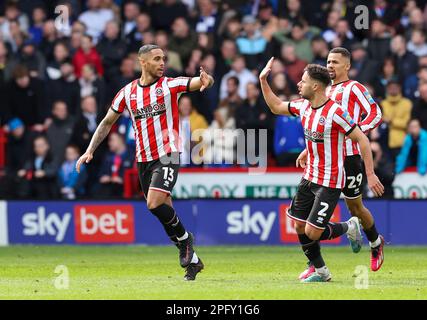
column 313, row 136
column 150, row 111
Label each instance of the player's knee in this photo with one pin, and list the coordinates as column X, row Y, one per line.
column 300, row 227
column 153, row 203
column 313, row 234
column 355, row 206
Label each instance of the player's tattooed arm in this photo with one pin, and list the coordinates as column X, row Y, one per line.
column 373, row 182
column 276, row 105
column 100, row 133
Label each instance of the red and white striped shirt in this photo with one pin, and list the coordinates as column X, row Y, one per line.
column 355, row 98
column 325, row 128
column 154, row 113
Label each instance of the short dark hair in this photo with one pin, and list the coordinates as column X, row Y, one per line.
column 318, row 73
column 147, row 48
column 343, row 51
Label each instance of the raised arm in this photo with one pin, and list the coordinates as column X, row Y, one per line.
column 276, row 105
column 202, row 82
column 100, row 133
column 373, row 182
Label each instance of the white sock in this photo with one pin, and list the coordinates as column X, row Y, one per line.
column 323, row 270
column 185, row 236
column 376, row 243
column 195, row 258
column 351, row 226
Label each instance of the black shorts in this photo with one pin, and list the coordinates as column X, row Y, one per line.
column 314, row 204
column 354, row 173
column 160, row 174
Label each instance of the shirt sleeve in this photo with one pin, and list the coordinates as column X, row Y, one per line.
column 343, row 121
column 119, row 102
column 370, row 108
column 295, row 106
column 179, row 85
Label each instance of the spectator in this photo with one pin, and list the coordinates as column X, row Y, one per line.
column 18, row 146
column 37, row 177
column 135, row 38
column 191, row 121
column 228, row 53
column 131, row 12
column 173, row 58
column 83, row 131
column 208, row 17
column 288, row 140
column 127, row 74
column 183, row 39
column 112, row 49
column 32, row 58
column 343, row 35
column 253, row 113
column 66, row 89
column 71, row 183
column 384, row 169
column 329, row 33
column 233, row 100
column 25, row 99
column 5, row 65
column 12, row 13
column 282, row 86
column 420, row 109
column 406, row 62
column 388, row 72
column 239, row 70
column 164, row 13
column 379, row 41
column 362, row 69
column 320, row 50
column 219, row 140
column 59, row 130
column 96, row 18
column 396, row 113
column 50, row 37
column 60, row 55
column 36, row 30
column 116, row 161
column 299, row 40
column 251, row 43
column 86, row 124
column 414, row 150
column 91, row 85
column 87, row 54
column 418, row 45
column 294, row 66
column 207, row 101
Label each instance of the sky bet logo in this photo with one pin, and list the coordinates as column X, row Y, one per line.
column 92, row 224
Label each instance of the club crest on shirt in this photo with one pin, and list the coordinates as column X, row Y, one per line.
column 133, row 96
column 368, row 97
column 159, row 92
column 322, row 120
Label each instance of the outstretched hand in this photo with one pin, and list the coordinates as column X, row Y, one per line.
column 204, row 79
column 86, row 158
column 267, row 69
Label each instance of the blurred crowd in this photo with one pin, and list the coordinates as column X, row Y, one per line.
column 62, row 62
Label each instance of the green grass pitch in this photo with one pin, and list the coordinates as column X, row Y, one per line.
column 256, row 272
